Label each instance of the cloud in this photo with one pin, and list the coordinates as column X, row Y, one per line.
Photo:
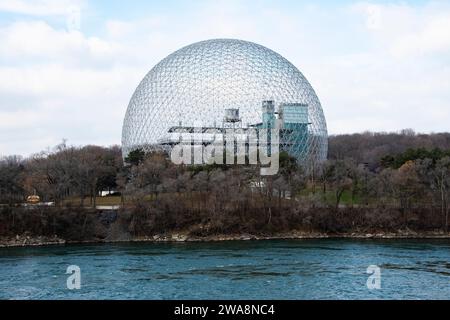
column 433, row 37
column 409, row 31
column 58, row 84
column 37, row 41
column 374, row 66
column 39, row 7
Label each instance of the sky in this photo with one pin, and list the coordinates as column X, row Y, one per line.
column 68, row 68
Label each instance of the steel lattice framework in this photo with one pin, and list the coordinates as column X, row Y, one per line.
column 198, row 82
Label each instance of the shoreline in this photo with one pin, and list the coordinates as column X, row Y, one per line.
column 41, row 241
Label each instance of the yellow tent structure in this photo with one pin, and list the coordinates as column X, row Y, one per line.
column 33, row 199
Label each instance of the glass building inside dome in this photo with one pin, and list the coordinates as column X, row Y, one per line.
column 224, row 83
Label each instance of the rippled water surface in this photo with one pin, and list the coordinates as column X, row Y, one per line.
column 288, row 269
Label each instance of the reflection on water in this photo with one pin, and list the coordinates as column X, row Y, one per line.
column 288, row 269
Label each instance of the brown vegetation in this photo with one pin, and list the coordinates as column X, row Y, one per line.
column 366, row 186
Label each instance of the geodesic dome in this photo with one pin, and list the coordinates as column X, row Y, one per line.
column 200, row 81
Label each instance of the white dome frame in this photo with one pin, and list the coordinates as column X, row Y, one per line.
column 199, row 81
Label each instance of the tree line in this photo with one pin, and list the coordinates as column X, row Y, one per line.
column 65, row 172
column 370, row 179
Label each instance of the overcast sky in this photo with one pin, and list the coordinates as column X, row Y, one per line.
column 68, row 68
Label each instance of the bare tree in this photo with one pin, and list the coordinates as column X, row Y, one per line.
column 11, row 179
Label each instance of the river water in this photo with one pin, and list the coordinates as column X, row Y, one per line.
column 281, row 269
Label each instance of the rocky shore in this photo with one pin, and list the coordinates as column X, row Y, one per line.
column 29, row 241
column 180, row 237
